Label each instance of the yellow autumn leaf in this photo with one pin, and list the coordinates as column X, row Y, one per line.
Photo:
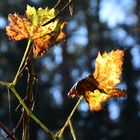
column 95, row 99
column 108, row 69
column 99, row 87
column 31, row 26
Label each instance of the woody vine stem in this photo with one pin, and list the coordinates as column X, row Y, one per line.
column 11, row 86
column 19, row 98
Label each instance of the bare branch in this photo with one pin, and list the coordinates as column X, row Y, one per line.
column 9, row 134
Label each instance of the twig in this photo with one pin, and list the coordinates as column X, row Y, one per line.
column 22, row 69
column 70, row 116
column 21, row 117
column 22, row 62
column 60, row 12
column 72, row 130
column 9, row 102
column 30, row 113
column 61, row 3
column 25, row 62
column 29, row 97
column 5, row 83
column 9, row 134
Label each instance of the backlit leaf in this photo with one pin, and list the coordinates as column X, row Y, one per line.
column 99, row 87
column 17, row 30
column 31, row 26
column 95, row 99
column 108, row 68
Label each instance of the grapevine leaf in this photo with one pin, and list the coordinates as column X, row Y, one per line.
column 31, row 26
column 31, row 14
column 17, row 29
column 95, row 99
column 109, row 69
column 99, row 87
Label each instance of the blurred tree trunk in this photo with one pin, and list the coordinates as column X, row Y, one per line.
column 131, row 109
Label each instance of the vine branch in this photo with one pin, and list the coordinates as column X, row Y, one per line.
column 69, row 118
column 60, row 12
column 30, row 113
column 72, row 130
column 22, row 62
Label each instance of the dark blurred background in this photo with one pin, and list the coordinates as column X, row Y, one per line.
column 97, row 25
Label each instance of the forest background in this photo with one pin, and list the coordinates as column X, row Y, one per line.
column 96, row 25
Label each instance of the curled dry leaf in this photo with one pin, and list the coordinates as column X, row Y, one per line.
column 31, row 26
column 99, row 87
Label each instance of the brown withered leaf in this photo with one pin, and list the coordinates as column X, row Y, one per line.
column 17, row 29
column 88, row 83
column 31, row 26
column 99, row 87
column 43, row 43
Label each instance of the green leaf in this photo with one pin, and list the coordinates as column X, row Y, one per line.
column 31, row 14
column 44, row 15
column 40, row 16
